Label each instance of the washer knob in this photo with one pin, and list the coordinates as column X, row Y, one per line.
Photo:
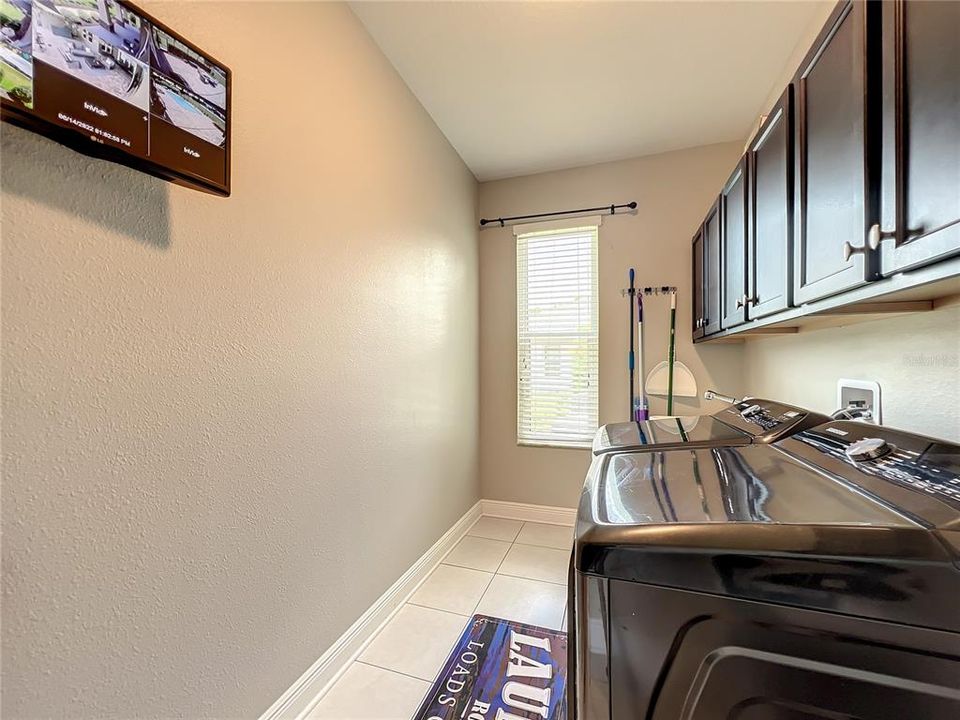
column 868, row 449
column 750, row 411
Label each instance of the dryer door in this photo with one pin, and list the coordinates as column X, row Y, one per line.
column 682, row 655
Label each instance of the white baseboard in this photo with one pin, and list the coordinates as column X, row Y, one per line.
column 301, row 697
column 529, row 513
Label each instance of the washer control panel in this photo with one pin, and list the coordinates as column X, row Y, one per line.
column 920, row 463
column 767, row 420
column 750, row 411
column 868, row 449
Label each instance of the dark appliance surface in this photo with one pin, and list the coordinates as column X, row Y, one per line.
column 815, row 577
column 753, row 420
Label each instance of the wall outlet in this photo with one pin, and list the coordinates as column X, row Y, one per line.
column 862, row 394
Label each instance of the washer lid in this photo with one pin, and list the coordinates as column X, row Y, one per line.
column 727, row 485
column 666, row 433
column 753, row 420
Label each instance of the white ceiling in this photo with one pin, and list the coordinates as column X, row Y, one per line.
column 523, row 87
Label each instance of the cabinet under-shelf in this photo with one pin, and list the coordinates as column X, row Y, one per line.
column 920, row 291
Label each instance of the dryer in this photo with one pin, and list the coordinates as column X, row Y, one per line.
column 815, row 577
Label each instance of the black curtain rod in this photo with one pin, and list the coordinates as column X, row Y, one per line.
column 612, row 209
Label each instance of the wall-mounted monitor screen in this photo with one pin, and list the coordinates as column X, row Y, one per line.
column 105, row 78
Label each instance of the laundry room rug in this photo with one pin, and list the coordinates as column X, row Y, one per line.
column 501, row 665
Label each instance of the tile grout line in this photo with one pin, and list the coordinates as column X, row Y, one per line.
column 545, row 547
column 480, row 599
column 532, row 579
column 425, row 607
column 512, row 543
column 396, row 672
column 522, row 577
column 497, row 571
column 467, row 567
column 494, row 573
column 563, row 616
column 428, row 607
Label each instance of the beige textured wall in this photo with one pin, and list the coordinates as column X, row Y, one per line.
column 674, row 191
column 230, row 424
column 915, row 358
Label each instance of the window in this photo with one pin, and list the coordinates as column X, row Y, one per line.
column 557, row 337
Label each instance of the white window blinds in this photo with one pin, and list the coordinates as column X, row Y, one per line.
column 557, row 337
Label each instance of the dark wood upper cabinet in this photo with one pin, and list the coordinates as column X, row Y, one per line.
column 837, row 188
column 712, row 260
column 920, row 218
column 699, row 311
column 770, row 225
column 733, row 238
column 850, row 190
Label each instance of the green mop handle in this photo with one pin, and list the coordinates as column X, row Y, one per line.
column 672, row 352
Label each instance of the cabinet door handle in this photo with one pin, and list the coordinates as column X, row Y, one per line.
column 741, row 302
column 875, row 235
column 849, row 250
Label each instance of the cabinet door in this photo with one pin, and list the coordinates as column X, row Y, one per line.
column 712, row 255
column 770, row 245
column 836, row 196
column 733, row 215
column 699, row 312
column 921, row 134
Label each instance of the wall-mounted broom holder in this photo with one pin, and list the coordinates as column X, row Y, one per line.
column 648, row 291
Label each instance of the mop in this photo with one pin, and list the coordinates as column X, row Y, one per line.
column 641, row 408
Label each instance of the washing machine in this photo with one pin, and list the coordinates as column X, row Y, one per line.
column 753, row 420
column 814, row 577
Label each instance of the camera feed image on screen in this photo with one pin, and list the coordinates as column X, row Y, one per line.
column 188, row 90
column 16, row 52
column 106, row 72
column 97, row 41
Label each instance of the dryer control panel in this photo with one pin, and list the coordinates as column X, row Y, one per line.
column 767, row 421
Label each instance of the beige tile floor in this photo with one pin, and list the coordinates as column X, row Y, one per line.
column 503, row 568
